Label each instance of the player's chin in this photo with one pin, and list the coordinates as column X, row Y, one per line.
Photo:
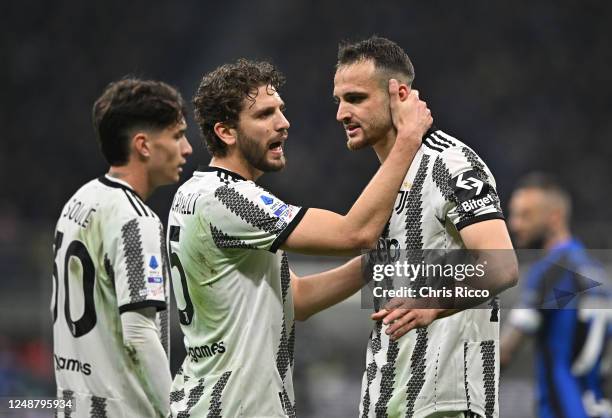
column 173, row 177
column 276, row 164
column 356, row 143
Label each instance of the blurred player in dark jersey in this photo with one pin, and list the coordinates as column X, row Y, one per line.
column 110, row 276
column 564, row 303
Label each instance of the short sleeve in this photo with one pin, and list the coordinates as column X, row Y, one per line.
column 467, row 186
column 138, row 264
column 244, row 215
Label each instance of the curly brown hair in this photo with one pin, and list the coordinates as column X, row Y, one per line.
column 130, row 104
column 221, row 95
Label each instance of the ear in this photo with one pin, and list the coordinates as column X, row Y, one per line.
column 225, row 133
column 404, row 91
column 556, row 217
column 140, row 145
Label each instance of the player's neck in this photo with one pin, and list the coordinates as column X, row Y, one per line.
column 383, row 146
column 236, row 165
column 557, row 238
column 137, row 180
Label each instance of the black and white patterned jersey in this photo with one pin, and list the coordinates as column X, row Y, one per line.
column 109, row 258
column 233, row 291
column 453, row 364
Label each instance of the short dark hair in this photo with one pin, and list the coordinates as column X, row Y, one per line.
column 222, row 92
column 130, row 104
column 386, row 55
column 548, row 184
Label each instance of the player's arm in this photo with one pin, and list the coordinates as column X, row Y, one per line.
column 324, row 232
column 135, row 251
column 142, row 342
column 489, row 237
column 511, row 339
column 492, row 239
column 316, row 292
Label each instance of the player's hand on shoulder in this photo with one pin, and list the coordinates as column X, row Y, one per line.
column 411, row 116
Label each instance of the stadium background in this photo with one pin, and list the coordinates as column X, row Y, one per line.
column 527, row 84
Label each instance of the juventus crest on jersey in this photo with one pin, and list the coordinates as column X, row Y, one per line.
column 233, row 292
column 109, row 258
column 453, row 364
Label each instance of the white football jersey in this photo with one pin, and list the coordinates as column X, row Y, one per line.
column 453, row 364
column 233, row 292
column 109, row 258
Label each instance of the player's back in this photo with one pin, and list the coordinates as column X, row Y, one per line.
column 108, row 259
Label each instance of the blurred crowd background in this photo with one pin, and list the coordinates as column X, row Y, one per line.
column 526, row 84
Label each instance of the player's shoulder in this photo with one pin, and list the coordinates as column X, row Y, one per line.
column 439, row 144
column 224, row 184
column 86, row 191
column 207, row 179
column 119, row 201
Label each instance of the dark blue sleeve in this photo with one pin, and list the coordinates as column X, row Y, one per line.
column 564, row 389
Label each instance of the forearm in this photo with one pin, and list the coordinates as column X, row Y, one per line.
column 372, row 209
column 143, row 345
column 510, row 339
column 316, row 292
column 407, row 313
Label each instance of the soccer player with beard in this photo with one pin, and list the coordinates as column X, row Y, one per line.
column 571, row 336
column 110, row 323
column 447, row 364
column 236, row 295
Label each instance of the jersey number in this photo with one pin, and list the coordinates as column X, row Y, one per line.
column 88, row 320
column 185, row 315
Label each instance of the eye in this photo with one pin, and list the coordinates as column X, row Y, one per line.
column 336, row 100
column 265, row 114
column 355, row 98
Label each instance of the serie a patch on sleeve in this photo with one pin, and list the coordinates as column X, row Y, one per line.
column 154, row 285
column 278, row 208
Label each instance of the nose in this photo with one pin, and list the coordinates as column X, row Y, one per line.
column 186, row 148
column 283, row 123
column 343, row 114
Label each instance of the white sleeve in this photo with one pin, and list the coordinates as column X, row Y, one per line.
column 142, row 340
column 468, row 187
column 246, row 216
column 138, row 263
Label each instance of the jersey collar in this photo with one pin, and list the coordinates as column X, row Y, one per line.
column 209, row 168
column 116, row 183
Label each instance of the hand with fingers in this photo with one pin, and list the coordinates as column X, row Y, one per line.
column 411, row 117
column 400, row 320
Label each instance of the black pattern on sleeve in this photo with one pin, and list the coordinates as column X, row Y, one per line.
column 223, row 240
column 248, row 211
column 134, row 260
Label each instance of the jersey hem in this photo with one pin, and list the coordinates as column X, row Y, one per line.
column 159, row 304
column 288, row 230
column 450, row 406
column 487, row 217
